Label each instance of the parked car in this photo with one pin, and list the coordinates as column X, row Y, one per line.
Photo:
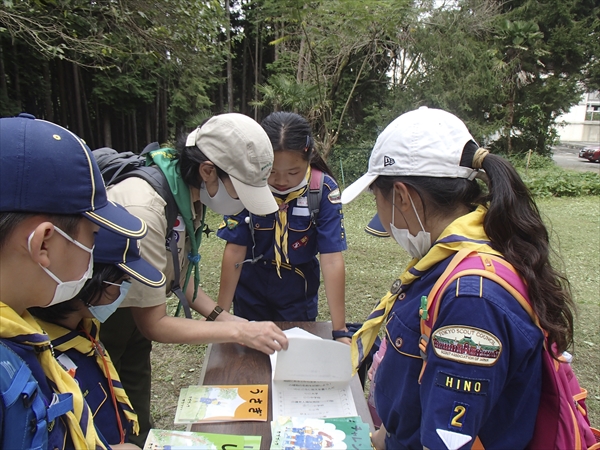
column 593, row 154
column 582, row 152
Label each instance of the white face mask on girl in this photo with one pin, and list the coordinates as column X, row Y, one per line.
column 222, row 203
column 287, row 191
column 66, row 290
column 103, row 312
column 416, row 246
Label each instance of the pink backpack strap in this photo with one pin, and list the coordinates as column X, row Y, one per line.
column 316, row 179
column 469, row 262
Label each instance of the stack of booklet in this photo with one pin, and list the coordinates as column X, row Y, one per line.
column 291, row 433
column 188, row 440
column 313, row 407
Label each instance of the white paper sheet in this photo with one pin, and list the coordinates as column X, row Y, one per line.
column 312, row 378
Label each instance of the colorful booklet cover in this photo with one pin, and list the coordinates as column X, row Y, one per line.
column 222, row 403
column 188, row 440
column 304, row 433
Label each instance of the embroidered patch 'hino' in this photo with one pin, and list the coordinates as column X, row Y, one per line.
column 467, row 345
column 478, row 386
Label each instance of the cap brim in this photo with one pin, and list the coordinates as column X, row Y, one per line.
column 375, row 227
column 144, row 272
column 359, row 186
column 257, row 200
column 118, row 220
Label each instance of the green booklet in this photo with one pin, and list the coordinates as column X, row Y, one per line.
column 341, row 433
column 190, row 440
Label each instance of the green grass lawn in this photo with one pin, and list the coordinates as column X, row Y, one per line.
column 372, row 264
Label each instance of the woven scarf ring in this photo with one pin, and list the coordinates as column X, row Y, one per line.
column 25, row 330
column 282, row 226
column 65, row 339
column 465, row 232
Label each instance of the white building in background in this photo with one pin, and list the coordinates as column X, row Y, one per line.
column 582, row 122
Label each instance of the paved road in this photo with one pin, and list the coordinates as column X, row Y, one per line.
column 568, row 158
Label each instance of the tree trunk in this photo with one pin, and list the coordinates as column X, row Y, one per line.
column 244, row 95
column 229, row 64
column 301, row 61
column 157, row 112
column 3, row 84
column 135, row 148
column 17, row 78
column 165, row 120
column 77, row 94
column 511, row 118
column 62, row 95
column 148, row 126
column 90, row 138
column 256, row 69
column 48, row 107
column 106, row 128
column 221, row 100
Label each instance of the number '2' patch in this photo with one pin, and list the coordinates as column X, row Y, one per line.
column 458, row 415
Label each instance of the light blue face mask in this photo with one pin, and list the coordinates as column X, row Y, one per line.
column 103, row 312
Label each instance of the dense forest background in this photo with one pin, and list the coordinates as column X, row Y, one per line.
column 124, row 73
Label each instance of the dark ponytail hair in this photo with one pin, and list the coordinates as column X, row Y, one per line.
column 291, row 132
column 189, row 160
column 90, row 294
column 515, row 229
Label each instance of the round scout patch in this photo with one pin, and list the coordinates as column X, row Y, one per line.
column 335, row 197
column 467, row 345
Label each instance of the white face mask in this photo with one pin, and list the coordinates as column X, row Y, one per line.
column 66, row 290
column 222, row 203
column 103, row 312
column 416, row 246
column 287, row 191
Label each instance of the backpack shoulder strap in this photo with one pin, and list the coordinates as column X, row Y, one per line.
column 468, row 262
column 315, row 193
column 24, row 416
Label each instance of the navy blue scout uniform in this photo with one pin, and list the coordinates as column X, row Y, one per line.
column 260, row 293
column 94, row 386
column 481, row 377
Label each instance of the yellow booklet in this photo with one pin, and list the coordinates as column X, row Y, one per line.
column 222, row 403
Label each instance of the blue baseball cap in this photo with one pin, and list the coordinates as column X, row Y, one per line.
column 45, row 168
column 125, row 254
column 376, row 228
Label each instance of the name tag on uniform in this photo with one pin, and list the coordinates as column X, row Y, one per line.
column 300, row 211
column 302, row 201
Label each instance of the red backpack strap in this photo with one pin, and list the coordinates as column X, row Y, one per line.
column 316, row 179
column 469, row 262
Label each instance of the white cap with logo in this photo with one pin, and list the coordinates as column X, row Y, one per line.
column 240, row 147
column 424, row 142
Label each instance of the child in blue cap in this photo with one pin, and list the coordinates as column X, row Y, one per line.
column 73, row 329
column 53, row 202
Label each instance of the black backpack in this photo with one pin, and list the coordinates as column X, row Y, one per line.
column 116, row 167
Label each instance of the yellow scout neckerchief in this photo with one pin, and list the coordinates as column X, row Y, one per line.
column 465, row 232
column 25, row 330
column 281, row 223
column 73, row 340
